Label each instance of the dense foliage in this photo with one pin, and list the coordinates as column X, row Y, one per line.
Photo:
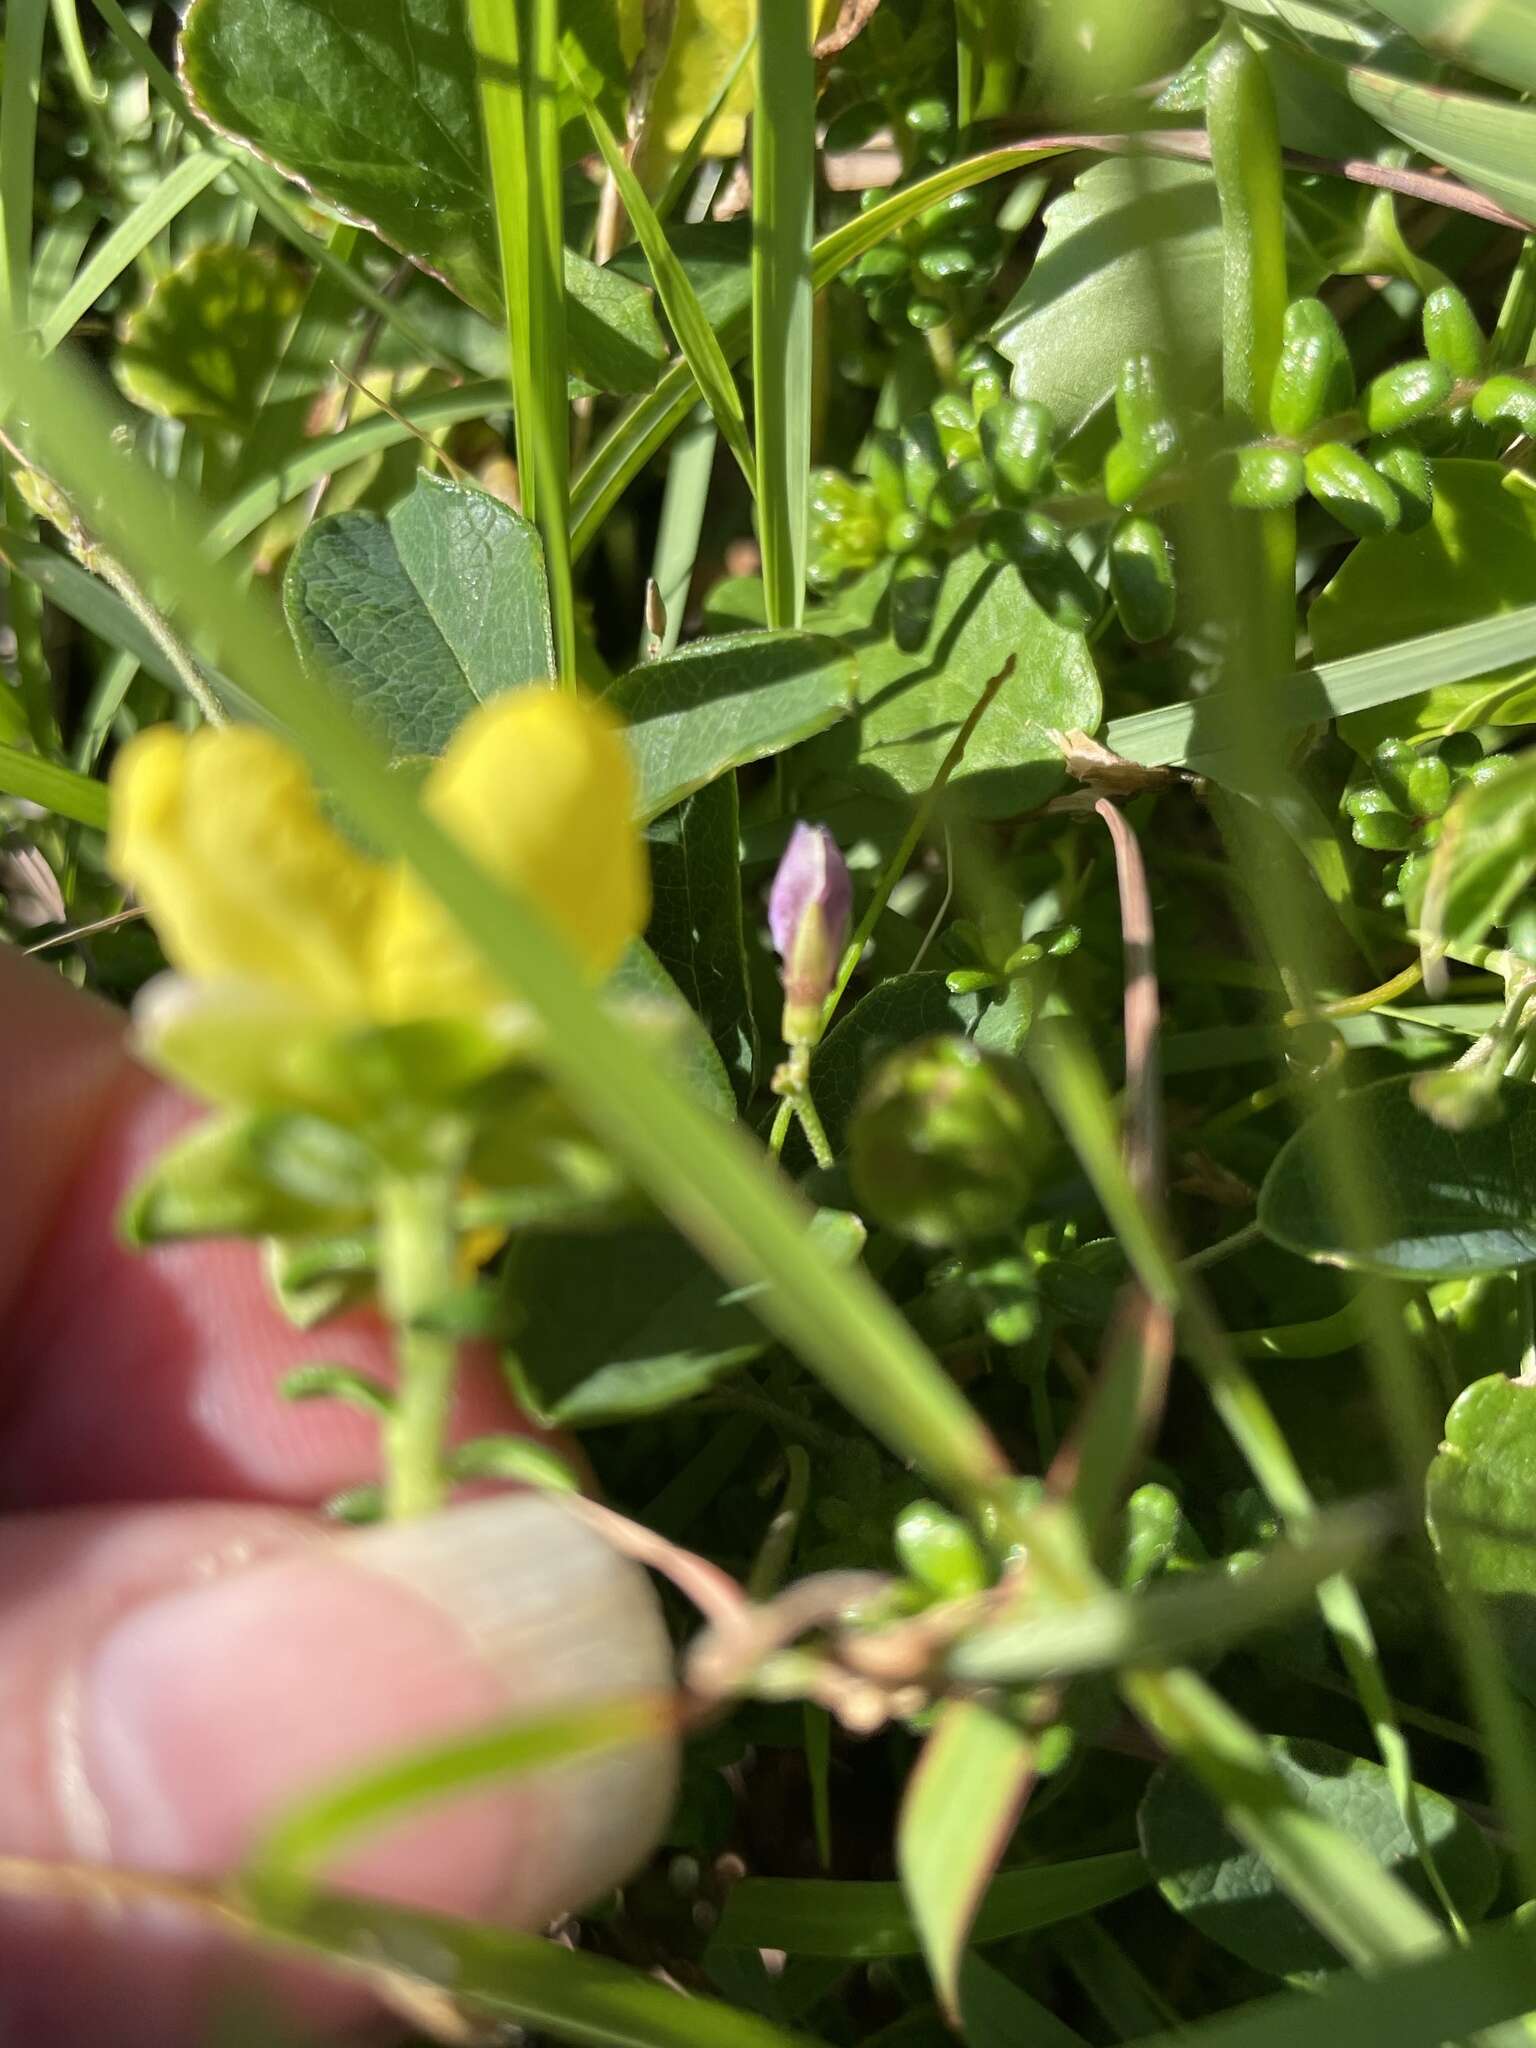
column 1075, row 456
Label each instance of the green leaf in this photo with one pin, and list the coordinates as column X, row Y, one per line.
column 1497, row 39
column 1489, row 142
column 303, row 1841
column 553, row 1991
column 1471, row 562
column 266, row 1174
column 129, row 238
column 301, row 85
column 1170, row 1624
column 1448, row 1203
column 783, row 224
column 815, row 1916
column 716, row 256
column 896, row 1011
column 1123, row 234
column 1229, row 1892
column 721, row 703
column 682, row 1040
column 60, row 790
column 202, row 345
column 912, row 703
column 660, row 1330
column 995, row 2013
column 1480, row 1500
column 1447, row 1997
column 1201, row 734
column 958, row 1813
column 517, row 72
column 424, row 613
column 1485, row 859
column 696, row 921
column 696, row 336
column 704, row 1175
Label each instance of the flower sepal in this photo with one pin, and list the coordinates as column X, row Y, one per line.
column 243, row 1044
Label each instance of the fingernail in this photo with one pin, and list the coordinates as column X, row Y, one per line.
column 207, row 1712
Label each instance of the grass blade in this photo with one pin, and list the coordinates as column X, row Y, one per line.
column 25, row 22
column 1169, row 1625
column 517, row 54
column 689, row 471
column 659, row 412
column 57, row 789
column 128, row 240
column 961, row 1805
column 267, row 494
column 695, row 337
column 1424, row 2005
column 1206, row 735
column 861, row 1919
column 783, row 195
column 297, row 1846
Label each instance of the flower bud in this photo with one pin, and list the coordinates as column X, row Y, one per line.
column 946, row 1142
column 810, row 908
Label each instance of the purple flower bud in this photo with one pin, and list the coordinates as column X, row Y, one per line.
column 810, row 908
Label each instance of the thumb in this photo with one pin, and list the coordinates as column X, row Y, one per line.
column 180, row 1675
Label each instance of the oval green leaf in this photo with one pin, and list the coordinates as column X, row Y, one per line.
column 1229, row 1892
column 424, row 613
column 1448, row 1203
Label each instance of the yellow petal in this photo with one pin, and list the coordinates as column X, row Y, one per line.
column 220, row 835
column 537, row 785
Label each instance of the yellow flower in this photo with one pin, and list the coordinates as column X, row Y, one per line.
column 221, row 835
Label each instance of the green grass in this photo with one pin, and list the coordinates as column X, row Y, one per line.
column 1180, row 1471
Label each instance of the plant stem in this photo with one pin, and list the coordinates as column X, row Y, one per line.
column 416, row 1267
column 1517, row 316
column 811, row 1124
column 1250, row 181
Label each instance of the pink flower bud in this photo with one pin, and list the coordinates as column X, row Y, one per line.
column 810, row 908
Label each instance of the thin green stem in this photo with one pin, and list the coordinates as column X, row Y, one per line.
column 810, row 1122
column 1516, row 324
column 1250, row 182
column 416, row 1271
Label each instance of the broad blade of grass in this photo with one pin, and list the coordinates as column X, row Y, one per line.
column 296, row 1847
column 961, row 1805
column 517, row 54
column 703, row 1173
column 59, row 790
column 682, row 523
column 1204, row 735
column 824, row 1916
column 128, row 240
column 695, row 337
column 783, row 196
